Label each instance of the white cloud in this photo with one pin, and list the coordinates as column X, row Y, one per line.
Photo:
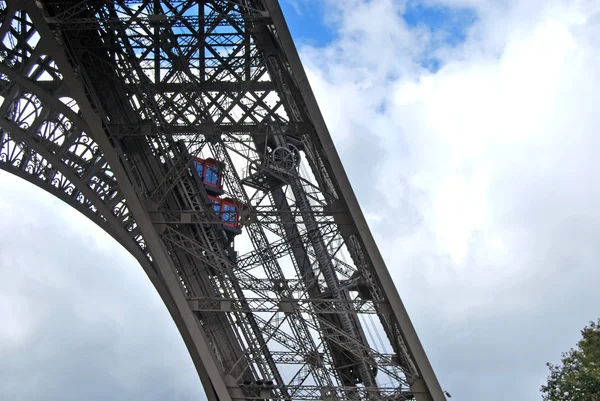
column 79, row 318
column 488, row 168
column 493, row 160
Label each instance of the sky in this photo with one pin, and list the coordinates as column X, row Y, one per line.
column 467, row 128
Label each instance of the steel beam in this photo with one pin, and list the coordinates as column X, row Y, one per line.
column 348, row 198
column 188, row 323
column 157, row 83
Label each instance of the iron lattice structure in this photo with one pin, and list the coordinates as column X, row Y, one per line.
column 105, row 103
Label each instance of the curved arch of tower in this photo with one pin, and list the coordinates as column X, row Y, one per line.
column 189, row 132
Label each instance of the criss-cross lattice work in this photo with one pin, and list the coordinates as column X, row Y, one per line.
column 106, row 104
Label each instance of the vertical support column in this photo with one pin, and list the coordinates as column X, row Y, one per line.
column 427, row 389
column 187, row 321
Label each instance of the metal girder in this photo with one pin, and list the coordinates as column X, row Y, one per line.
column 105, row 103
column 208, row 129
column 178, row 87
column 295, row 358
column 306, row 305
column 25, row 33
column 433, row 389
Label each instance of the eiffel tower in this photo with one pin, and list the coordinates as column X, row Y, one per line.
column 188, row 131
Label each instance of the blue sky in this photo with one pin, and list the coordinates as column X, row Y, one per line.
column 309, row 25
column 478, row 177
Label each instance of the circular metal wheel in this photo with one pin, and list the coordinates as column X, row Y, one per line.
column 287, row 157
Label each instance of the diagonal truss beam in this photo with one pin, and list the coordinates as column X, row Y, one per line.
column 105, row 103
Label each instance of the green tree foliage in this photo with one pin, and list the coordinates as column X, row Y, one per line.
column 577, row 377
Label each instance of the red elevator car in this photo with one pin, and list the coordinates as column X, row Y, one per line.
column 210, row 172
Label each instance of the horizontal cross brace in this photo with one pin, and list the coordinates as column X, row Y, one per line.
column 262, row 392
column 121, row 130
column 212, row 304
column 294, row 358
column 172, row 21
column 163, row 88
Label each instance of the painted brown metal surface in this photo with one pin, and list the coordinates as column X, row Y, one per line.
column 106, row 104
